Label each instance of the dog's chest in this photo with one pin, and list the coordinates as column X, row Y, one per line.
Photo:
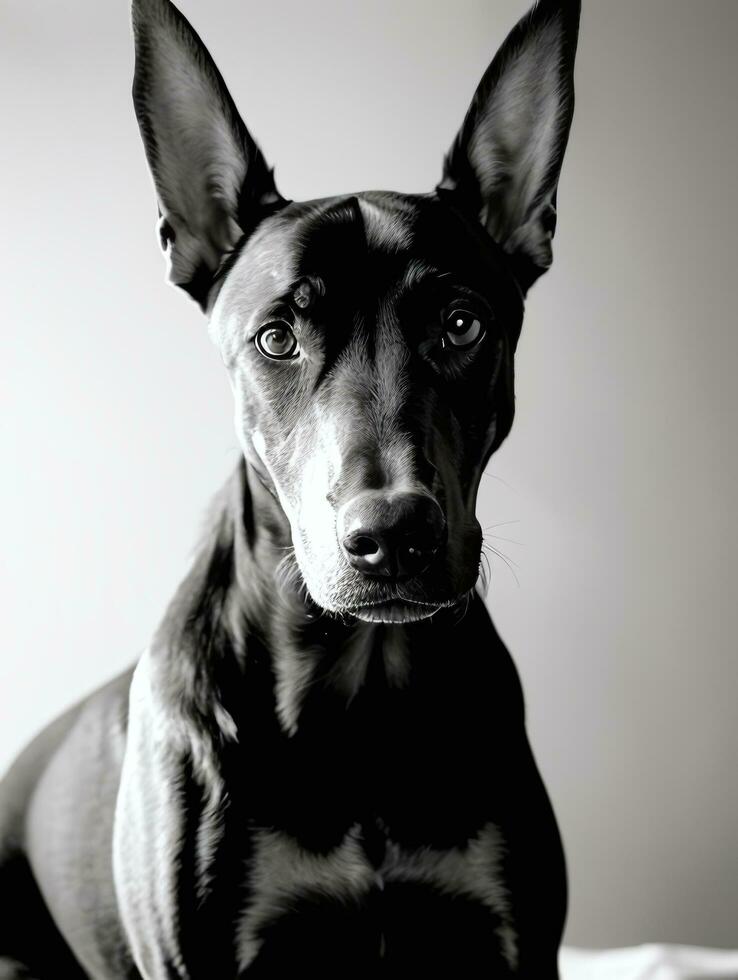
column 373, row 886
column 375, row 821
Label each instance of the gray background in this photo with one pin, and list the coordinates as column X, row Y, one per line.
column 617, row 487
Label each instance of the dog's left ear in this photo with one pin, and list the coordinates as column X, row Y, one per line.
column 212, row 182
column 504, row 164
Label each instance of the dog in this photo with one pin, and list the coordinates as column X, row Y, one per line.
column 321, row 761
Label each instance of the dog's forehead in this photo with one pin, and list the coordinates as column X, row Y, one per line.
column 361, row 235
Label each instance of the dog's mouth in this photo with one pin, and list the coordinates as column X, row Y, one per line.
column 397, row 610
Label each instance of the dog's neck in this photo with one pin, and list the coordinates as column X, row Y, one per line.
column 308, row 647
column 238, row 609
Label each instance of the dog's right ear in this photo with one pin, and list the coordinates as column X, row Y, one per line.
column 212, row 182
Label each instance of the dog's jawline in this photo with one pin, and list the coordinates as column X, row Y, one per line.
column 395, row 612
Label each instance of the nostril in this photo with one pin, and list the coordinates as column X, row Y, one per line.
column 363, row 546
column 365, row 551
column 415, row 556
column 415, row 552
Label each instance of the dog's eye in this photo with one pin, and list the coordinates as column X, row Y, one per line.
column 276, row 340
column 462, row 330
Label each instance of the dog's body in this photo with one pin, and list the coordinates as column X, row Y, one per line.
column 412, row 823
column 321, row 762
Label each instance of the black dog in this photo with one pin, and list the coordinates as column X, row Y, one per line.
column 321, row 762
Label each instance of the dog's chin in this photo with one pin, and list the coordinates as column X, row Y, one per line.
column 394, row 611
column 353, row 597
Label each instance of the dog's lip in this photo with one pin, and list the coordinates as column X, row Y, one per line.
column 395, row 611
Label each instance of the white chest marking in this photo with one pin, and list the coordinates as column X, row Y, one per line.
column 280, row 868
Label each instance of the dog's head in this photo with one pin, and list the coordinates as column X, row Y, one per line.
column 369, row 338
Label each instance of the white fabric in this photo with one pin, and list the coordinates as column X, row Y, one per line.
column 651, row 962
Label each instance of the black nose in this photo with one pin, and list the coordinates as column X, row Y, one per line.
column 393, row 536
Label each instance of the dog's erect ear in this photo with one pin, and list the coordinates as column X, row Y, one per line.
column 212, row 182
column 504, row 164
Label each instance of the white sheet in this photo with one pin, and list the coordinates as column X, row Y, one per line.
column 651, row 962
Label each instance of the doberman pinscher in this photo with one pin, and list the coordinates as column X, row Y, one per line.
column 321, row 762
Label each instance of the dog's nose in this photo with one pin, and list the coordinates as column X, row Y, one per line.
column 391, row 536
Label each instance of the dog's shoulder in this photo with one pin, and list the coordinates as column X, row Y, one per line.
column 101, row 714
